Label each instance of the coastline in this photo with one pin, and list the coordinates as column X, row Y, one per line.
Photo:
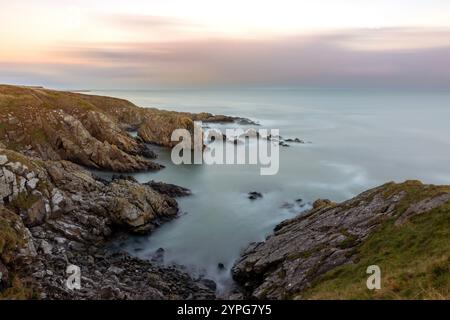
column 59, row 215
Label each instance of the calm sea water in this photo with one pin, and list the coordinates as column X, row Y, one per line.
column 360, row 139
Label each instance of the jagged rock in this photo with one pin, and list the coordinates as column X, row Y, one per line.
column 88, row 210
column 138, row 206
column 166, row 123
column 46, row 247
column 319, row 203
column 36, row 214
column 168, row 189
column 32, row 183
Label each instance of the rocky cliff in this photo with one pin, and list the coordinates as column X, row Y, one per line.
column 324, row 252
column 54, row 213
column 86, row 129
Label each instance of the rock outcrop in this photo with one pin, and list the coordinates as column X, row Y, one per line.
column 169, row 189
column 302, row 249
column 55, row 213
column 86, row 129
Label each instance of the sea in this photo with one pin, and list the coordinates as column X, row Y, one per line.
column 355, row 139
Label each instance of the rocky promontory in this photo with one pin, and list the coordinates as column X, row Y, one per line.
column 86, row 129
column 324, row 252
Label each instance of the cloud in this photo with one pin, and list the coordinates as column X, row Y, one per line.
column 344, row 58
column 146, row 22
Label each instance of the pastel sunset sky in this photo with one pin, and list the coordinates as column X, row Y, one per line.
column 143, row 44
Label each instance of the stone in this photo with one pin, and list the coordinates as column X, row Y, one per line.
column 158, row 256
column 254, row 195
column 60, row 240
column 15, row 167
column 168, row 189
column 36, row 214
column 9, row 177
column 3, row 159
column 115, row 270
column 30, row 175
column 319, row 203
column 32, row 183
column 46, row 247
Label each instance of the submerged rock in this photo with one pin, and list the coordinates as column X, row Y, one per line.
column 158, row 256
column 254, row 195
column 296, row 140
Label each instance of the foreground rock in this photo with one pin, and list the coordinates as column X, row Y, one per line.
column 54, row 214
column 290, row 263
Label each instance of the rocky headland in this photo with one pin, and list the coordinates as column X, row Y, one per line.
column 323, row 253
column 88, row 130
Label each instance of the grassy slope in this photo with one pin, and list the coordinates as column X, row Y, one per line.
column 414, row 258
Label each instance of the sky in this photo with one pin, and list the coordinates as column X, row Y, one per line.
column 139, row 44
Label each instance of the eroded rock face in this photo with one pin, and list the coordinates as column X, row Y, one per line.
column 52, row 189
column 161, row 133
column 115, row 151
column 54, row 213
column 303, row 248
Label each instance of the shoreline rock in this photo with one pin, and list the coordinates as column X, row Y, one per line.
column 169, row 189
column 66, row 217
column 317, row 241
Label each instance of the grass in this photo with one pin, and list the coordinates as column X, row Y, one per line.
column 11, row 239
column 38, row 135
column 2, row 129
column 18, row 290
column 23, row 201
column 414, row 258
